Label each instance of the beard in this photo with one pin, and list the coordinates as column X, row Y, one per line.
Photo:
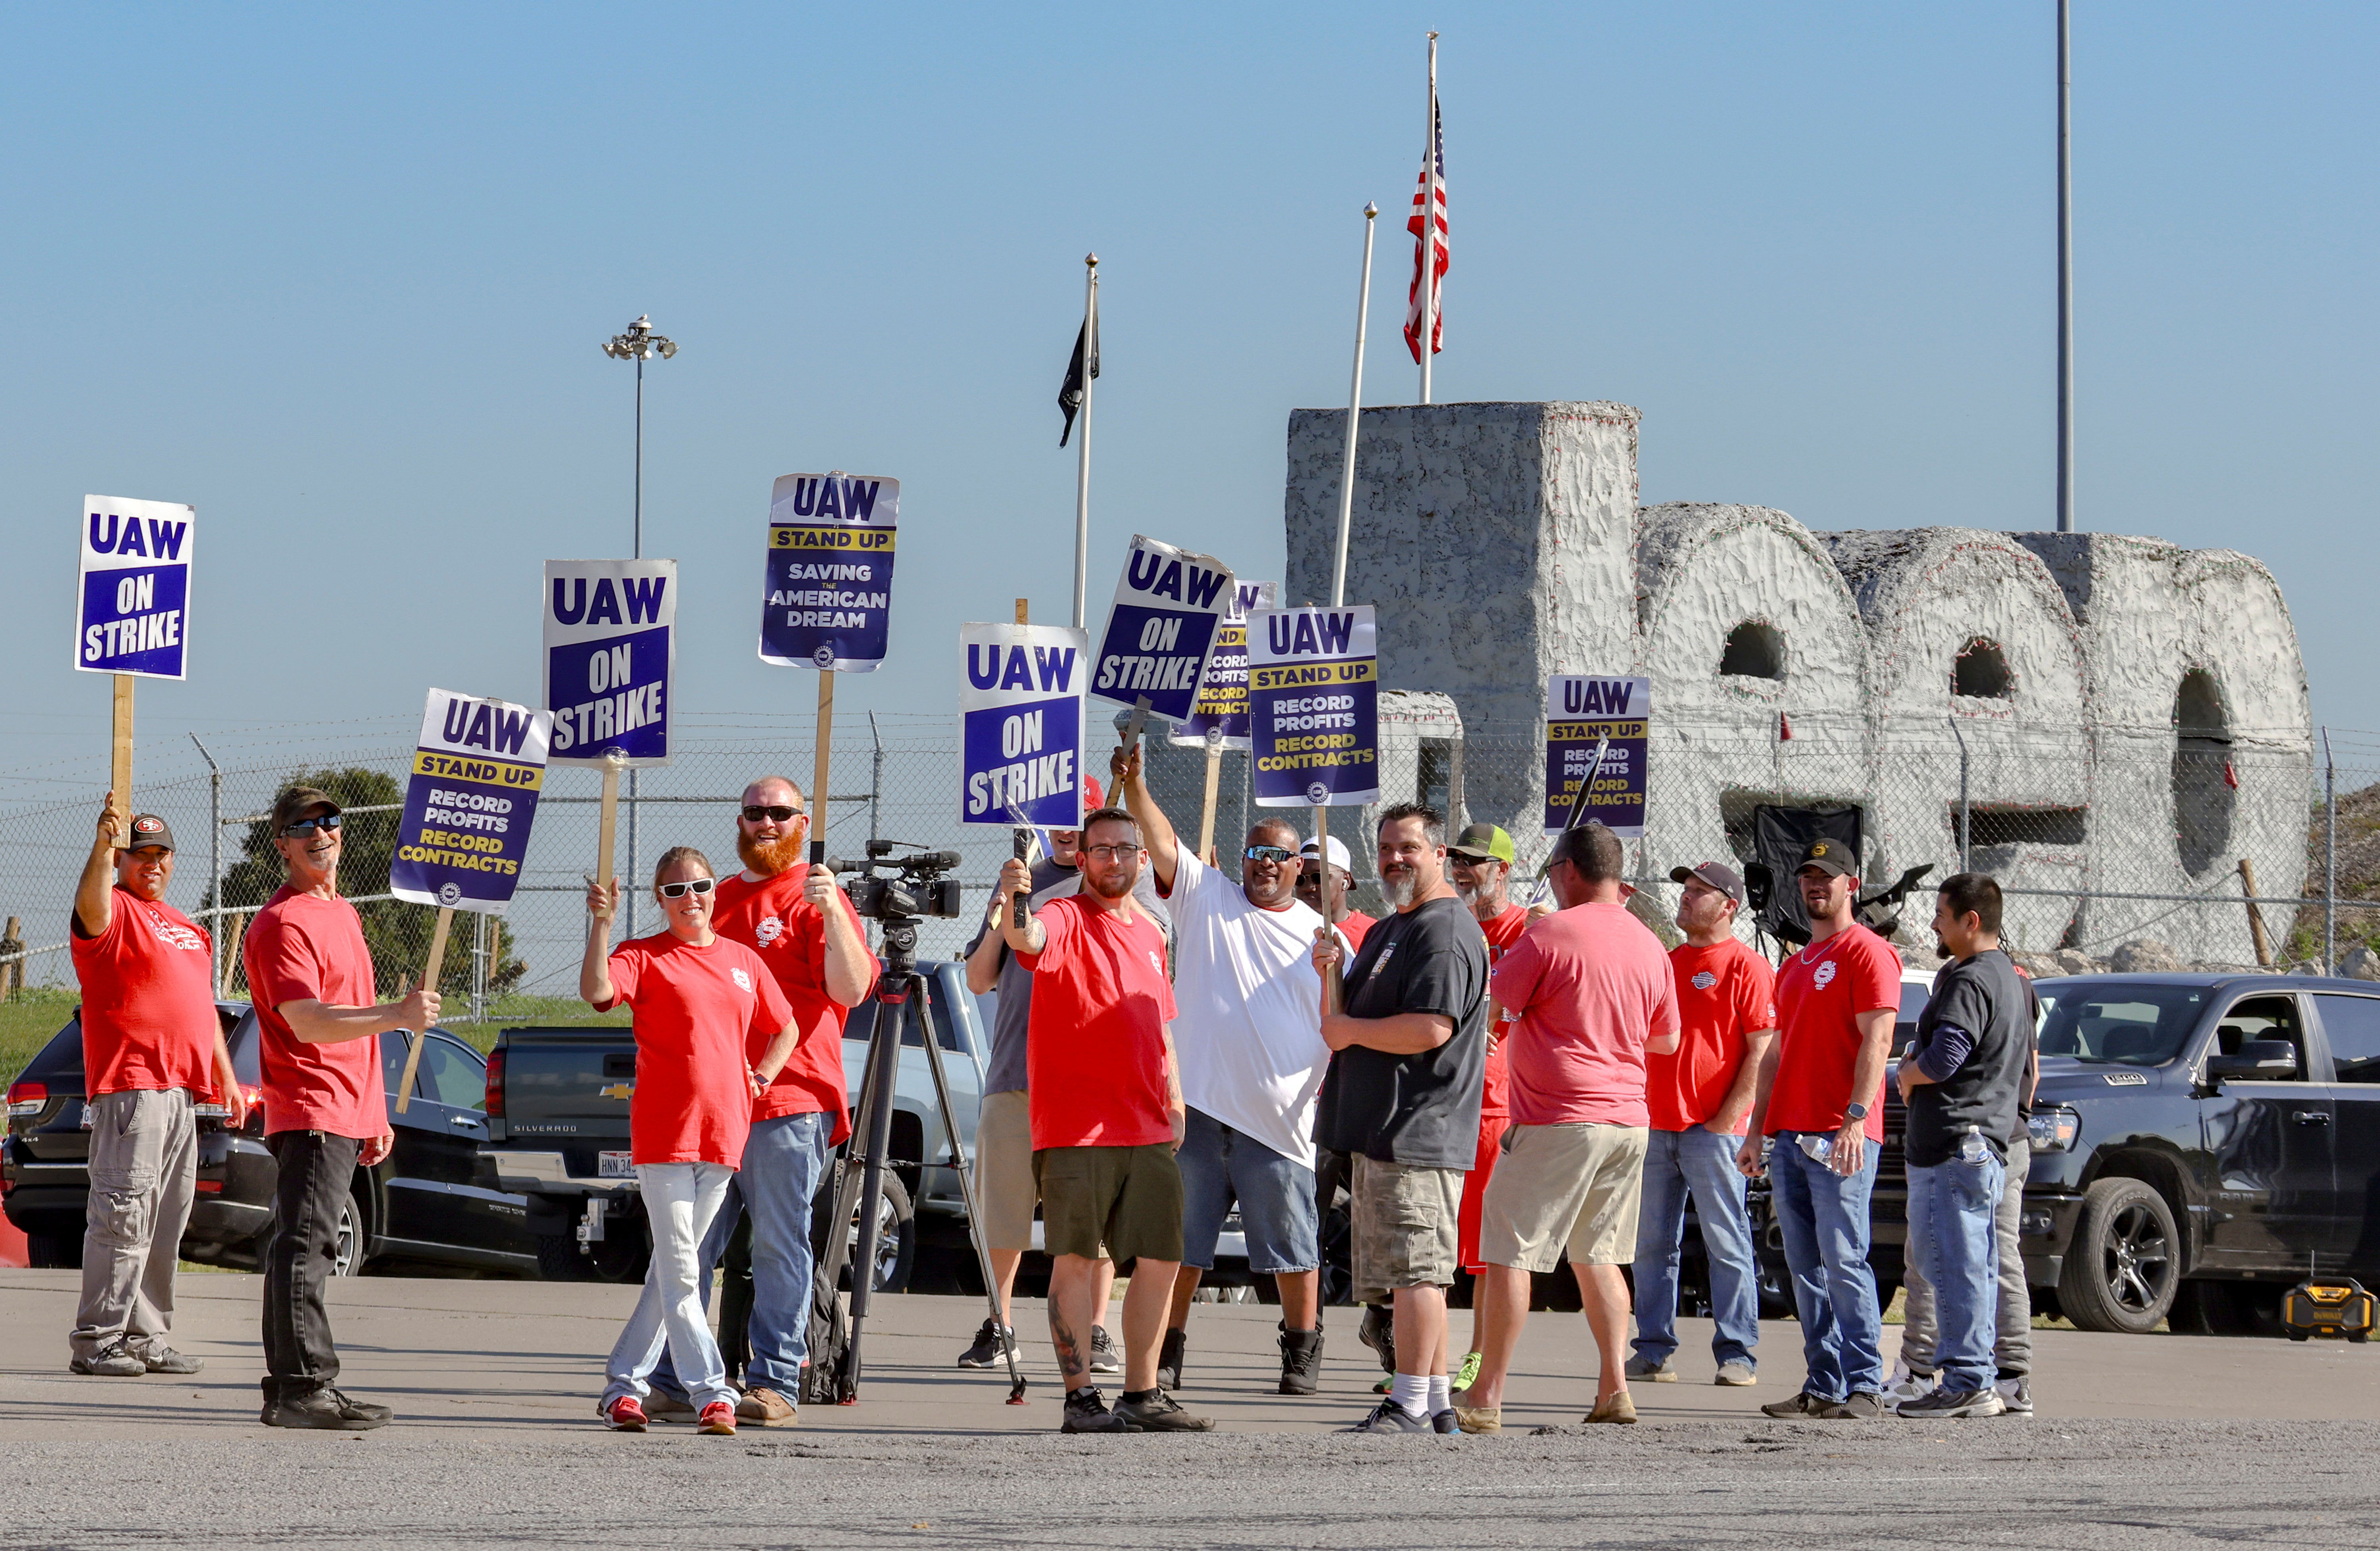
column 1111, row 886
column 766, row 858
column 1400, row 884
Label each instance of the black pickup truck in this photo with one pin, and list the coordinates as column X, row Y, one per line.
column 558, row 1134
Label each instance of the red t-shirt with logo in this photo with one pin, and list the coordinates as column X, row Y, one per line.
column 1725, row 991
column 770, row 916
column 1094, row 1044
column 1501, row 933
column 148, row 999
column 1819, row 994
column 306, row 948
column 698, row 1012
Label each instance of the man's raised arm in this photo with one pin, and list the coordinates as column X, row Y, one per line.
column 1156, row 832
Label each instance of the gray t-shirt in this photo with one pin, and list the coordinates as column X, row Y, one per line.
column 1985, row 998
column 1004, row 1072
column 1421, row 1109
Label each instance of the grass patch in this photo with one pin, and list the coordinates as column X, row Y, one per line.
column 29, row 1020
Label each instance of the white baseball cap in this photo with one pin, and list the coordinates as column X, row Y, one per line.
column 1339, row 857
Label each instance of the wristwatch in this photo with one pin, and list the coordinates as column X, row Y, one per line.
column 1854, row 1112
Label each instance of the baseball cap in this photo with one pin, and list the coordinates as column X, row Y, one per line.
column 149, row 829
column 1830, row 856
column 1485, row 843
column 1718, row 874
column 1339, row 857
column 288, row 807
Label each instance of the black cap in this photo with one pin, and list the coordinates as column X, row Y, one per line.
column 1830, row 856
column 149, row 829
column 1718, row 874
column 291, row 806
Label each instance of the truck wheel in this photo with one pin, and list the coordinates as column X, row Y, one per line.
column 896, row 1231
column 347, row 1254
column 558, row 1259
column 2121, row 1270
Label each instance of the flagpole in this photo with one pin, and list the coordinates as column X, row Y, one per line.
column 1430, row 225
column 2065, row 273
column 1354, row 409
column 1083, row 455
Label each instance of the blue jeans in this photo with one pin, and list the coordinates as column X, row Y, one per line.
column 1702, row 1162
column 1276, row 1196
column 784, row 1160
column 1824, row 1218
column 1952, row 1234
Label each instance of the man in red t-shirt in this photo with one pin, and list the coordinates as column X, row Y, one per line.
column 1700, row 1097
column 152, row 1048
column 1105, row 1096
column 805, row 931
column 1821, row 1097
column 1337, row 881
column 325, row 1112
column 1480, row 863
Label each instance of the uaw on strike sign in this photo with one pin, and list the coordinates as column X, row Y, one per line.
column 611, row 647
column 134, row 615
column 1020, row 724
column 1583, row 710
column 467, row 806
column 1222, row 703
column 829, row 599
column 1169, row 605
column 1314, row 679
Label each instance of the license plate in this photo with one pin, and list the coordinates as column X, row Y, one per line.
column 615, row 1166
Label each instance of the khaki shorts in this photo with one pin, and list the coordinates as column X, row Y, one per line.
column 1403, row 1226
column 1110, row 1202
column 1004, row 1190
column 1557, row 1186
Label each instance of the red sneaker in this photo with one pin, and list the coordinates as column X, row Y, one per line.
column 625, row 1415
column 718, row 1417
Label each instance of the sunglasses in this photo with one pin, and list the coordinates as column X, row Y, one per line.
column 679, row 891
column 754, row 813
column 328, row 823
column 1270, row 853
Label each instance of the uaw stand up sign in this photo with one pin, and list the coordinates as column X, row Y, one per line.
column 1021, row 725
column 1584, row 713
column 1222, row 703
column 829, row 588
column 1314, row 706
column 611, row 647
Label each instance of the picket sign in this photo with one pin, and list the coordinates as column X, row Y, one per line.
column 1314, row 706
column 1169, row 605
column 132, row 607
column 1020, row 724
column 1584, row 711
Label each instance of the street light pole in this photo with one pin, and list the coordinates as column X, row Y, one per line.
column 639, row 344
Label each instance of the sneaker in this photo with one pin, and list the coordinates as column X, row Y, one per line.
column 1301, row 1360
column 1804, row 1404
column 366, row 1410
column 1469, row 1373
column 1446, row 1423
column 990, row 1349
column 1104, row 1359
column 319, row 1410
column 2016, row 1395
column 1087, row 1412
column 717, row 1419
column 668, row 1408
column 625, row 1415
column 1390, row 1417
column 1863, row 1406
column 1952, row 1402
column 165, row 1360
column 1384, row 1387
column 1619, row 1408
column 114, row 1360
column 767, row 1407
column 1908, row 1384
column 1169, row 1359
column 1476, row 1419
column 1158, row 1414
column 1736, row 1375
column 1378, row 1331
column 1653, row 1370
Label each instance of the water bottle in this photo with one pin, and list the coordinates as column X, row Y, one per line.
column 1819, row 1148
column 1973, row 1149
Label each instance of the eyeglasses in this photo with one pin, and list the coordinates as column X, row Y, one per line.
column 1270, row 853
column 679, row 891
column 754, row 813
column 1110, row 852
column 328, row 823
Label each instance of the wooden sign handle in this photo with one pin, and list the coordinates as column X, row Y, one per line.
column 818, row 765
column 119, row 765
column 607, row 823
column 429, row 979
column 1207, row 809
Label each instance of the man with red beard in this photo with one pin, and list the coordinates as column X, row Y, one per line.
column 805, row 931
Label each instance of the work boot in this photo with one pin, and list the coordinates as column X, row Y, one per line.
column 1169, row 1359
column 323, row 1411
column 1301, row 1360
column 1156, row 1412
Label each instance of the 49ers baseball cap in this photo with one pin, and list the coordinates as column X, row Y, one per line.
column 1831, row 856
column 148, row 830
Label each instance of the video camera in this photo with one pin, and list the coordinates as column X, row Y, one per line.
column 915, row 888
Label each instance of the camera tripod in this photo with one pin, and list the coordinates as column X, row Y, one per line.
column 902, row 1002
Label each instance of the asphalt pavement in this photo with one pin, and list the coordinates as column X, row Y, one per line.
column 2148, row 1439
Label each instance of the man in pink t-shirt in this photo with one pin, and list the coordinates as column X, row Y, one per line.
column 1592, row 992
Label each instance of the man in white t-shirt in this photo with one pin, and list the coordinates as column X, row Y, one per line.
column 1247, row 1034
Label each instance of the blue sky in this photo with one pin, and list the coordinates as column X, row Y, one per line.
column 338, row 276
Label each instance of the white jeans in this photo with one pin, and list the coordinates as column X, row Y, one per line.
column 680, row 1201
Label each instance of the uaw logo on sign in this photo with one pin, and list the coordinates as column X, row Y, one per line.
column 827, row 591
column 1582, row 710
column 1222, row 703
column 133, row 605
column 1314, row 706
column 610, row 654
column 1169, row 605
column 477, row 772
column 1020, row 724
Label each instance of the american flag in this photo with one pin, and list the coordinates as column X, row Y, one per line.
column 1417, row 226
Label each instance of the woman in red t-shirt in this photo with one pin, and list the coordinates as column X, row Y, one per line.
column 697, row 998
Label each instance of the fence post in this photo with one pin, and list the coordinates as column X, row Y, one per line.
column 875, row 784
column 2255, row 917
column 1966, row 824
column 12, row 973
column 2329, row 859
